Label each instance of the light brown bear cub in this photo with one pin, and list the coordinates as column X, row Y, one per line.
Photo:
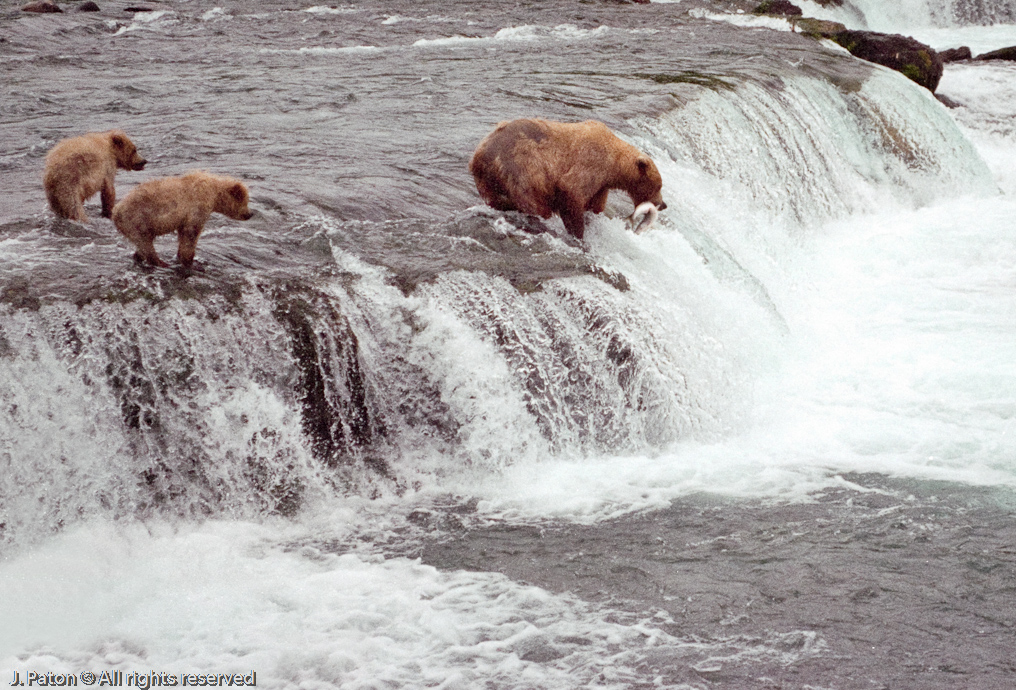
column 79, row 167
column 181, row 205
column 543, row 167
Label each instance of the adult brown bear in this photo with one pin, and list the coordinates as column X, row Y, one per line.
column 79, row 167
column 181, row 205
column 544, row 167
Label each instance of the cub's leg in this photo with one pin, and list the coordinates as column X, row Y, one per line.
column 146, row 250
column 187, row 244
column 108, row 195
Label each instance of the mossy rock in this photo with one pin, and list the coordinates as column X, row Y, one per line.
column 778, row 7
column 915, row 60
column 1000, row 54
column 818, row 28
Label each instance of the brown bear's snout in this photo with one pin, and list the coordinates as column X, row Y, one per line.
column 247, row 216
column 139, row 165
column 661, row 206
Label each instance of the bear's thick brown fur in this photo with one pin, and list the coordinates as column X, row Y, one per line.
column 542, row 167
column 79, row 167
column 181, row 205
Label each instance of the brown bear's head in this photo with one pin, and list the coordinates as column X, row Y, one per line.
column 127, row 157
column 647, row 184
column 233, row 201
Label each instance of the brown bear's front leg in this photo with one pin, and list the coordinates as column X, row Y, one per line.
column 78, row 213
column 187, row 245
column 108, row 195
column 572, row 212
column 599, row 201
column 575, row 223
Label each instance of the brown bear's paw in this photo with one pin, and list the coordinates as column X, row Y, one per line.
column 152, row 261
column 188, row 267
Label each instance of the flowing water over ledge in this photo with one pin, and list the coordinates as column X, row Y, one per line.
column 766, row 444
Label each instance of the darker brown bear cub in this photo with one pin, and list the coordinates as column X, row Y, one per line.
column 79, row 167
column 181, row 205
column 543, row 167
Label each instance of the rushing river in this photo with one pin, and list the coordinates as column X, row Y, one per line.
column 390, row 438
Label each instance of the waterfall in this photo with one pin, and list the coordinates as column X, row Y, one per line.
column 266, row 390
column 912, row 14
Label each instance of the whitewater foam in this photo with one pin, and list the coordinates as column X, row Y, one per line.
column 230, row 597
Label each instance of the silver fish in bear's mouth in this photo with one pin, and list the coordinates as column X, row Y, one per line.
column 651, row 214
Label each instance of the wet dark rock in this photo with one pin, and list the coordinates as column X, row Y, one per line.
column 41, row 6
column 955, row 54
column 88, row 7
column 1000, row 54
column 138, row 8
column 916, row 61
column 333, row 389
column 948, row 102
column 778, row 7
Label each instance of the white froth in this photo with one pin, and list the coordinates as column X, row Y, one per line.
column 980, row 39
column 987, row 94
column 231, row 598
column 325, row 50
column 563, row 32
column 750, row 21
column 215, row 14
column 327, row 9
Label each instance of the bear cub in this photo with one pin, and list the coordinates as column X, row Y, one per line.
column 178, row 204
column 542, row 167
column 78, row 167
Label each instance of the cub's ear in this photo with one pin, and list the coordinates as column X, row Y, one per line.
column 643, row 164
column 119, row 140
column 238, row 192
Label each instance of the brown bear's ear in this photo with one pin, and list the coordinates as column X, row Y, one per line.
column 238, row 192
column 119, row 141
column 643, row 164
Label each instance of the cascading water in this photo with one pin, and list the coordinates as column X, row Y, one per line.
column 913, row 14
column 255, row 398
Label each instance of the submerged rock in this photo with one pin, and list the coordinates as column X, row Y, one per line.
column 916, row 61
column 1000, row 54
column 955, row 54
column 88, row 7
column 41, row 6
column 948, row 102
column 778, row 7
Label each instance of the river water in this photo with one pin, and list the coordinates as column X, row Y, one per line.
column 390, row 438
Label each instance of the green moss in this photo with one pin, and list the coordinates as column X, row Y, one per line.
column 912, row 72
column 817, row 28
column 20, row 295
column 850, row 45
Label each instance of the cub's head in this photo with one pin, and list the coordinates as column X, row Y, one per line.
column 646, row 184
column 233, row 200
column 127, row 157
